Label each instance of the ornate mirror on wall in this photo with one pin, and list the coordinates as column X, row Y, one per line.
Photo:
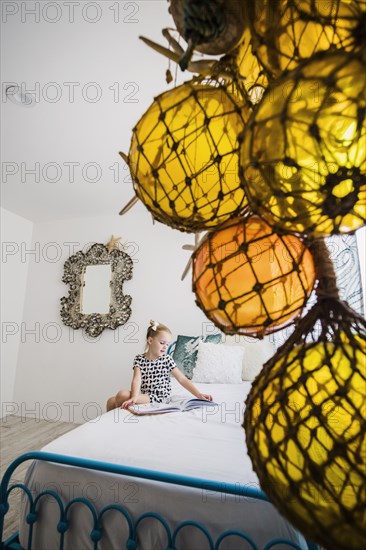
column 96, row 300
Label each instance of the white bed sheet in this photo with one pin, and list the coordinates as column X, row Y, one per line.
column 208, row 444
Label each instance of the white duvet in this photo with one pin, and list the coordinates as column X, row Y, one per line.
column 202, row 443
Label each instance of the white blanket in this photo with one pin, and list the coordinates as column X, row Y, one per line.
column 202, row 443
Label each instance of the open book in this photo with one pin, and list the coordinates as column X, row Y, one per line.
column 183, row 405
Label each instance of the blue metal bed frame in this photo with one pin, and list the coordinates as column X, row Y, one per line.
column 12, row 543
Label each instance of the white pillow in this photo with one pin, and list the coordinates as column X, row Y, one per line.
column 218, row 364
column 257, row 352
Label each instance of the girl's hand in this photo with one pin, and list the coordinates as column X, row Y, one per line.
column 128, row 402
column 205, row 396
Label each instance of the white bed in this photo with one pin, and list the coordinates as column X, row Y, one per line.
column 207, row 444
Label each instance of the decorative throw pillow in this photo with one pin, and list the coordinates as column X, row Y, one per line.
column 185, row 351
column 257, row 352
column 218, row 364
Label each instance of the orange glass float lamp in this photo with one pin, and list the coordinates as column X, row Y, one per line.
column 184, row 156
column 249, row 280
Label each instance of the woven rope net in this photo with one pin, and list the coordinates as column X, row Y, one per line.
column 303, row 157
column 249, row 280
column 184, row 156
column 305, row 423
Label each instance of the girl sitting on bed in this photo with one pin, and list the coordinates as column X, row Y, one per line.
column 151, row 373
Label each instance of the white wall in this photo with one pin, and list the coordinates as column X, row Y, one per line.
column 62, row 373
column 16, row 238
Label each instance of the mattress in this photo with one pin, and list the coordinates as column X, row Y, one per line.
column 206, row 443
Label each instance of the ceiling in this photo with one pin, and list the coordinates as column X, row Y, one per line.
column 92, row 79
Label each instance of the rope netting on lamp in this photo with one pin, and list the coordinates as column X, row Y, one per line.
column 285, row 32
column 184, row 155
column 249, row 280
column 303, row 158
column 305, row 420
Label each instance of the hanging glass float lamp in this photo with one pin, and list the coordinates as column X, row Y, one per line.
column 286, row 32
column 303, row 157
column 184, row 156
column 249, row 280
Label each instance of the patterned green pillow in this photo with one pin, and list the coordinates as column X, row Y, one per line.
column 185, row 351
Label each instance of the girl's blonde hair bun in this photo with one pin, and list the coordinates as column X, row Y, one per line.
column 155, row 327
